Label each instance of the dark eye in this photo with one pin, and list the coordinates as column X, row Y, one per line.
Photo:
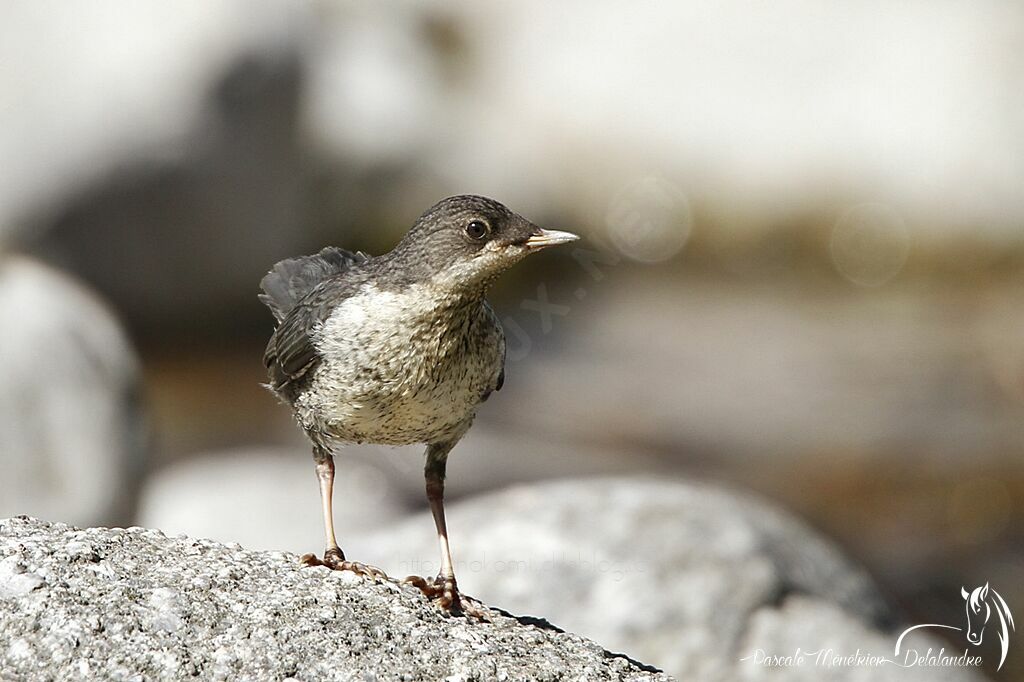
column 476, row 229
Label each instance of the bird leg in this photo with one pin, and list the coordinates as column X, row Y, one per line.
column 334, row 558
column 444, row 588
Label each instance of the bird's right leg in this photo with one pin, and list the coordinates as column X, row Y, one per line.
column 444, row 588
column 334, row 558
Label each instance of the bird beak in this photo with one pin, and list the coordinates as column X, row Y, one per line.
column 545, row 238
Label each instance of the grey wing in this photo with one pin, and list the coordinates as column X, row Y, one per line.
column 292, row 353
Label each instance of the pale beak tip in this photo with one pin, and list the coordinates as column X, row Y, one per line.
column 546, row 238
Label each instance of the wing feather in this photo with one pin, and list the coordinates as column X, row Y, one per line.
column 301, row 292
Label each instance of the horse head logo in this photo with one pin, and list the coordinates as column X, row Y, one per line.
column 980, row 603
column 978, row 612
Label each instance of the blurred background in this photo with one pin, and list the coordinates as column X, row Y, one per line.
column 801, row 272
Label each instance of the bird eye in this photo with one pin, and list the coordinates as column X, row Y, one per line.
column 476, row 229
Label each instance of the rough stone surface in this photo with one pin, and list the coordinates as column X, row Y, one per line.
column 126, row 604
column 689, row 577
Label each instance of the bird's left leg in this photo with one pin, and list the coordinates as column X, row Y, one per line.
column 444, row 587
column 333, row 556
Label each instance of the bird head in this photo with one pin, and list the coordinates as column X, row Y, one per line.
column 465, row 241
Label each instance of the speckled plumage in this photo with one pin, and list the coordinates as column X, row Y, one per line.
column 401, row 367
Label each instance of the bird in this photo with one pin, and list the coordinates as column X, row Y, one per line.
column 397, row 349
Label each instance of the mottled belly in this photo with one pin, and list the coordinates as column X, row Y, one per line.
column 424, row 414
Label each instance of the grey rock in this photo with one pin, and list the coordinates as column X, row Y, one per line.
column 145, row 606
column 683, row 575
column 59, row 141
column 72, row 433
column 15, row 580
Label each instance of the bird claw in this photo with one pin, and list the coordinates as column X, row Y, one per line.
column 446, row 591
column 335, row 560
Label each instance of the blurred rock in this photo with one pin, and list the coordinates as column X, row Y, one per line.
column 72, row 437
column 105, row 85
column 539, row 103
column 265, row 499
column 489, row 457
column 376, row 82
column 891, row 400
column 138, row 605
column 173, row 243
column 673, row 572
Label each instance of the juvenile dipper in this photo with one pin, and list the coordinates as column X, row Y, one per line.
column 397, row 349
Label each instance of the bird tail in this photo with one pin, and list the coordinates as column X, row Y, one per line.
column 290, row 280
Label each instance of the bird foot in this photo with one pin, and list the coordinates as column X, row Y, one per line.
column 446, row 591
column 334, row 559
